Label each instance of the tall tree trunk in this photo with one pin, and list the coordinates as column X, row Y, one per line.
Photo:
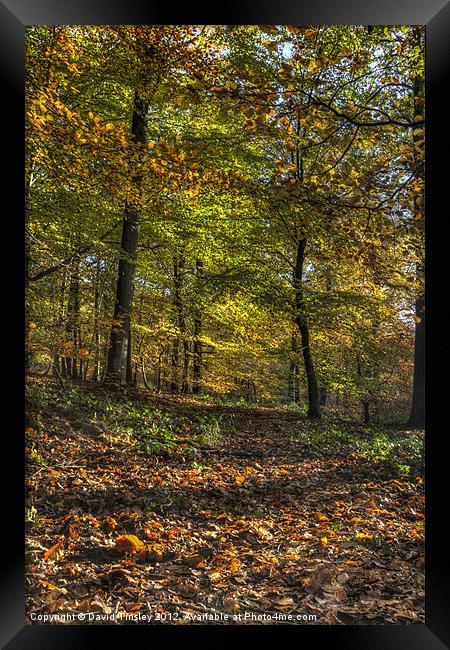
column 127, row 263
column 174, row 383
column 197, row 344
column 417, row 413
column 71, row 328
column 302, row 324
column 178, row 267
column 129, row 369
column 96, row 333
column 74, row 291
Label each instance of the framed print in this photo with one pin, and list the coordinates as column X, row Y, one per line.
column 231, row 226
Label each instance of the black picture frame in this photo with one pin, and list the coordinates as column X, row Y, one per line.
column 435, row 14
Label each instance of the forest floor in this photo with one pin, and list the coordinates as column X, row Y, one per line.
column 166, row 509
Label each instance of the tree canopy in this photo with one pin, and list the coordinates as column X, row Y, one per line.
column 234, row 210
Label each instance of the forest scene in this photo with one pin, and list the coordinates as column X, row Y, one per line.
column 225, row 313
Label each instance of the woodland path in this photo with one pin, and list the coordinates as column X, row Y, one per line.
column 257, row 522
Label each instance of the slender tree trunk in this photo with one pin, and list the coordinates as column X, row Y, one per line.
column 197, row 344
column 96, row 332
column 417, row 413
column 158, row 370
column 57, row 362
column 72, row 314
column 178, row 267
column 127, row 263
column 129, row 369
column 174, row 384
column 74, row 298
column 302, row 324
column 144, row 375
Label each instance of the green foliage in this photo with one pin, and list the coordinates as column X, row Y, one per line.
column 398, row 451
column 33, row 519
column 35, row 457
column 209, row 431
column 259, row 137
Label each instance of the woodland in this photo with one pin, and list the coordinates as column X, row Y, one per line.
column 225, row 316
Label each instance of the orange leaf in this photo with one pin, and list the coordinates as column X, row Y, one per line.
column 53, row 549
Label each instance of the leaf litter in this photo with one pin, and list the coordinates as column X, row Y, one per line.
column 276, row 527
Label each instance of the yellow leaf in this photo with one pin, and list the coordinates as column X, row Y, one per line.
column 49, row 585
column 249, row 124
column 240, row 479
column 129, row 544
column 363, row 536
column 155, row 549
column 235, row 564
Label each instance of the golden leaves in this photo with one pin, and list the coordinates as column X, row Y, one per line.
column 129, row 544
column 249, row 124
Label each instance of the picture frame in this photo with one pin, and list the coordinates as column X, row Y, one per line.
column 435, row 14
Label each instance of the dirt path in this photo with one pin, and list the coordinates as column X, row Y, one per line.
column 255, row 528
